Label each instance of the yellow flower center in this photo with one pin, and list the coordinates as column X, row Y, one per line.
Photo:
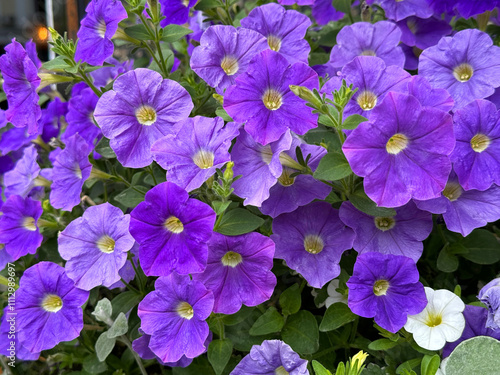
column 204, row 159
column 367, row 100
column 313, row 244
column 368, row 52
column 281, row 371
column 146, row 115
column 185, row 310
column 106, row 244
column 463, row 72
column 480, row 142
column 28, row 223
column 397, row 143
column 433, row 320
column 285, row 179
column 272, row 99
column 452, row 191
column 173, row 225
column 384, row 223
column 52, row 303
column 229, row 65
column 101, row 29
column 185, row 3
column 78, row 171
column 274, row 42
column 231, row 259
column 380, row 287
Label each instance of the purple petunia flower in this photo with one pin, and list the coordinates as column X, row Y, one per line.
column 423, row 33
column 176, row 11
column 71, row 169
column 402, row 152
column 13, row 139
column 48, row 306
column 262, row 98
column 19, row 231
column 401, row 234
column 324, row 12
column 399, row 10
column 9, row 342
column 273, row 357
column 4, row 255
column 464, row 210
column 466, row 64
column 95, row 246
column 174, row 316
column 490, row 296
column 365, row 39
column 298, row 2
column 196, row 151
column 224, row 54
column 284, row 29
column 50, row 122
column 20, row 84
column 311, row 240
column 172, row 230
column 386, row 287
column 23, row 178
column 259, row 166
column 469, row 8
column 141, row 108
column 239, row 271
column 421, row 89
column 96, row 30
column 103, row 76
column 476, row 155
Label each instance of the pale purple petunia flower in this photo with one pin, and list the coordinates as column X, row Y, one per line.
column 50, row 123
column 421, row 89
column 298, row 2
column 13, row 139
column 423, row 33
column 95, row 246
column 196, row 151
column 239, row 271
column 4, row 256
column 174, row 316
column 284, row 29
column 103, row 76
column 490, row 296
column 176, row 11
column 23, row 178
column 386, row 287
column 141, row 108
column 311, row 240
column 398, row 10
column 324, row 12
column 9, row 342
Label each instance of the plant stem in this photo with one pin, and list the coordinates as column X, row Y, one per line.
column 124, row 339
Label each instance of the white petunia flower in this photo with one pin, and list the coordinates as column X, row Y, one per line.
column 441, row 321
column 333, row 295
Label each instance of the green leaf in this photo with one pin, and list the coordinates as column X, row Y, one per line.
column 326, row 120
column 119, row 327
column 325, row 137
column 343, row 6
column 478, row 355
column 406, row 367
column 207, row 4
column 104, row 346
column 483, row 246
column 219, row 207
column 382, row 344
column 333, row 166
column 269, row 322
column 124, row 302
column 446, row 261
column 237, row 318
column 138, row 32
column 103, row 310
column 219, row 352
column 131, row 197
column 429, row 365
column 221, row 112
column 238, row 221
column 290, row 300
column 301, row 332
column 319, row 369
column 92, row 365
column 172, row 33
column 353, row 121
column 57, row 64
column 104, row 149
column 361, row 201
column 336, row 316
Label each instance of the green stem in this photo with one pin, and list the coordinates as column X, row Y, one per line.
column 154, row 37
column 130, row 287
column 138, row 359
column 139, row 279
column 5, row 365
column 84, row 76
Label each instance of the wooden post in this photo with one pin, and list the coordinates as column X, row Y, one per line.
column 72, row 18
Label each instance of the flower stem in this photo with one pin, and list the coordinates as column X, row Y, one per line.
column 124, row 339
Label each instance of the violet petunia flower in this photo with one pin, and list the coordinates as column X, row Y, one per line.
column 469, row 8
column 273, row 357
column 401, row 234
column 324, row 12
column 71, row 169
column 490, row 296
column 176, row 11
column 172, row 230
column 14, row 139
column 4, row 257
column 21, row 81
column 19, row 231
column 421, row 89
column 466, row 64
column 423, row 33
column 464, row 210
column 224, row 53
column 196, row 151
column 9, row 342
column 298, row 2
column 239, row 271
column 48, row 307
column 103, row 76
column 259, row 166
column 311, row 240
column 95, row 246
column 50, row 123
column 399, row 10
column 365, row 39
column 174, row 316
column 284, row 30
column 23, row 177
column 262, row 98
column 402, row 152
column 96, row 30
column 141, row 108
column 476, row 155
column 386, row 287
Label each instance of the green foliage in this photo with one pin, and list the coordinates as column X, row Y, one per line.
column 238, row 221
column 478, row 355
column 301, row 332
column 336, row 316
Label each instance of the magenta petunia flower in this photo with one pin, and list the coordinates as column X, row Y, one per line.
column 401, row 234
column 48, row 307
column 224, row 53
column 311, row 240
column 95, row 246
column 284, row 30
column 262, row 98
column 399, row 10
column 402, row 152
column 239, row 271
column 176, row 11
column 96, row 30
column 193, row 154
column 466, row 64
column 23, row 177
column 20, row 84
column 174, row 316
column 141, row 108
column 172, row 230
column 386, row 287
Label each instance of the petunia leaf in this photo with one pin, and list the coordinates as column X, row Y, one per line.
column 363, row 203
column 132, row 196
column 382, row 344
column 238, row 221
column 138, row 32
column 319, row 369
column 271, row 321
column 301, row 332
column 124, row 302
column 353, row 121
column 290, row 300
column 430, row 364
column 92, row 365
column 483, row 247
column 172, row 33
column 103, row 149
column 219, row 352
column 334, row 166
column 447, row 262
column 336, row 316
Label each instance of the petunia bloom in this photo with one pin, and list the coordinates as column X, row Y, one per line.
column 239, row 271
column 141, row 108
column 172, row 230
column 24, row 176
column 9, row 342
column 386, row 287
column 176, row 11
column 95, row 246
column 490, row 296
column 423, row 33
column 174, row 316
column 428, row 96
column 399, row 10
column 324, row 12
column 311, row 240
